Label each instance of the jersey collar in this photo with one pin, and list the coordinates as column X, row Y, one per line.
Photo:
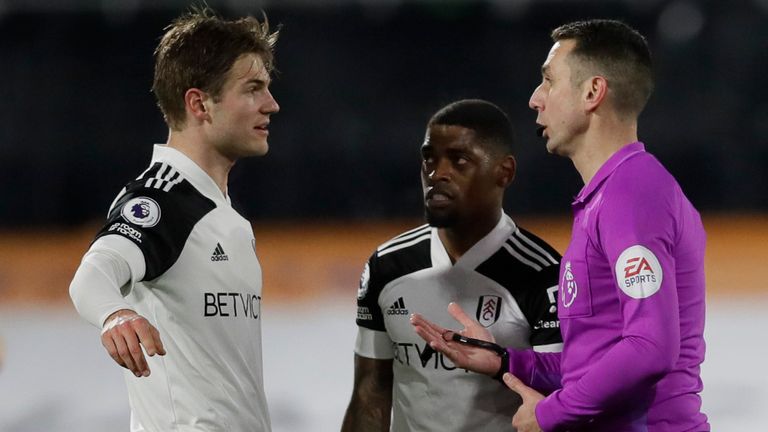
column 477, row 253
column 190, row 170
column 608, row 168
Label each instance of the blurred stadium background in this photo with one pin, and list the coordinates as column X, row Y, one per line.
column 357, row 81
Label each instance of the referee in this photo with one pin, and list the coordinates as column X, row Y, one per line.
column 174, row 269
column 631, row 297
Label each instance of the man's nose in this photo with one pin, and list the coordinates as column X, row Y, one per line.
column 442, row 170
column 271, row 107
column 535, row 101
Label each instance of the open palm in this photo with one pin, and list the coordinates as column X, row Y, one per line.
column 476, row 359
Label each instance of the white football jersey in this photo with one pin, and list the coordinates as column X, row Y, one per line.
column 507, row 281
column 202, row 290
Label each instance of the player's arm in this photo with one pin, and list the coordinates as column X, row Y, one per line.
column 371, row 405
column 96, row 293
column 370, row 408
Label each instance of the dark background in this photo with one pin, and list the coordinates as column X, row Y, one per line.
column 357, row 82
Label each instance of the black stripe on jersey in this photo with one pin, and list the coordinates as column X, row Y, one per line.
column 529, row 252
column 537, row 246
column 161, row 176
column 531, row 288
column 150, row 173
column 181, row 208
column 404, row 238
column 383, row 270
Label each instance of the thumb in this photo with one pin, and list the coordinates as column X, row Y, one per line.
column 459, row 315
column 517, row 386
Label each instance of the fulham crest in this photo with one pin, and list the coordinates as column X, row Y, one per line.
column 638, row 272
column 488, row 309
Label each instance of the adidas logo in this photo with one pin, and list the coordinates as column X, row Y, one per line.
column 219, row 254
column 397, row 308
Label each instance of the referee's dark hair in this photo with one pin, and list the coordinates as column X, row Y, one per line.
column 618, row 52
column 489, row 122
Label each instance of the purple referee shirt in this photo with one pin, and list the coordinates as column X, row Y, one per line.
column 631, row 308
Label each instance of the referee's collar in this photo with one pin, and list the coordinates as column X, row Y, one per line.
column 607, row 169
column 190, row 170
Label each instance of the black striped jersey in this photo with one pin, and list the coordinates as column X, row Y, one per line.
column 199, row 283
column 508, row 281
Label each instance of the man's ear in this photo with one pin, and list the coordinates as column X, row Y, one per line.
column 595, row 91
column 506, row 171
column 195, row 101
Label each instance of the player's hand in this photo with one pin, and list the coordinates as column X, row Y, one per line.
column 525, row 418
column 123, row 335
column 464, row 356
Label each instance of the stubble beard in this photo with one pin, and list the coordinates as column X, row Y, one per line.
column 446, row 220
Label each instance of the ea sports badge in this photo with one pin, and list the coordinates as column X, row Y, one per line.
column 141, row 211
column 638, row 272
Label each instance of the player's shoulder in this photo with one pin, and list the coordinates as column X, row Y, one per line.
column 523, row 260
column 160, row 198
column 411, row 242
column 161, row 187
column 161, row 180
column 405, row 253
column 157, row 211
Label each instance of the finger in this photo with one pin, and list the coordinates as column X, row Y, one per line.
column 434, row 340
column 134, row 349
column 417, row 319
column 122, row 350
column 146, row 337
column 513, row 382
column 430, row 331
column 459, row 315
column 518, row 386
column 109, row 345
column 158, row 341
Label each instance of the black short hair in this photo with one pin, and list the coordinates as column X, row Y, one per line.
column 617, row 51
column 490, row 123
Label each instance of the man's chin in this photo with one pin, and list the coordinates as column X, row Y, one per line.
column 261, row 149
column 439, row 220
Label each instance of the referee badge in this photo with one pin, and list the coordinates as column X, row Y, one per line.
column 141, row 211
column 569, row 289
column 488, row 310
column 638, row 272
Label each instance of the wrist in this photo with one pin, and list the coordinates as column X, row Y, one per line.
column 503, row 365
column 118, row 317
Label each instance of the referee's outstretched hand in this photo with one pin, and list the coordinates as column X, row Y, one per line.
column 123, row 335
column 476, row 359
